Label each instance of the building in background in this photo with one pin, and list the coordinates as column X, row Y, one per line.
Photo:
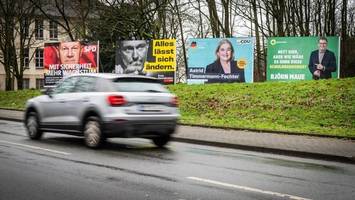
column 35, row 23
column 46, row 31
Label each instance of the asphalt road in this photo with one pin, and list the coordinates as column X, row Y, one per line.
column 61, row 167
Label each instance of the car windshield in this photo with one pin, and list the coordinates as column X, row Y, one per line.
column 138, row 85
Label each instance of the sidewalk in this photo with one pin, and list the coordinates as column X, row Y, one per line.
column 324, row 148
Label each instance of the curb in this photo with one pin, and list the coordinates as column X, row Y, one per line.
column 300, row 154
column 11, row 119
column 271, row 131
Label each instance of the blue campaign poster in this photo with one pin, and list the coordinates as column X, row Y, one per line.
column 220, row 60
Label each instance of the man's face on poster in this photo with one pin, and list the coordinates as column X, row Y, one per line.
column 322, row 44
column 69, row 52
column 133, row 54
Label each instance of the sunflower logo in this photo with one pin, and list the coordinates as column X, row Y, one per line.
column 241, row 63
column 273, row 42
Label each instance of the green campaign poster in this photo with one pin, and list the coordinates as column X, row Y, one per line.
column 288, row 57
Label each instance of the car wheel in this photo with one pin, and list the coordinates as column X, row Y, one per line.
column 92, row 133
column 161, row 141
column 32, row 126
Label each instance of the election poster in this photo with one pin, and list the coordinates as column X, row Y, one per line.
column 220, row 60
column 65, row 58
column 154, row 58
column 302, row 58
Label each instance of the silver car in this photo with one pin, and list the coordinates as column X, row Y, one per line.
column 99, row 106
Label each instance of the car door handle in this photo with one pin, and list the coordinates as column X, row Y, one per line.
column 86, row 99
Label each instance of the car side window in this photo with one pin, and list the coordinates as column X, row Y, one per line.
column 66, row 86
column 104, row 85
column 86, row 84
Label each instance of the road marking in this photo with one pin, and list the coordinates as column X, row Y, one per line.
column 34, row 147
column 247, row 188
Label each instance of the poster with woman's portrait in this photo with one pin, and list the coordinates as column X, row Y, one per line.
column 220, row 60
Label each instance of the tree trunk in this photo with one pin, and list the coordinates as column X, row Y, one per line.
column 182, row 36
column 307, row 17
column 280, row 17
column 301, row 22
column 226, row 29
column 200, row 17
column 344, row 23
column 268, row 20
column 213, row 18
column 257, row 66
column 9, row 82
column 319, row 18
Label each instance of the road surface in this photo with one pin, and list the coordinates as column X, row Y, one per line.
column 61, row 167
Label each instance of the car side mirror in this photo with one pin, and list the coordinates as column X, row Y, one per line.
column 47, row 91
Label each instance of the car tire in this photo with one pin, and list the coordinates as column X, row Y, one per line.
column 92, row 133
column 32, row 126
column 161, row 141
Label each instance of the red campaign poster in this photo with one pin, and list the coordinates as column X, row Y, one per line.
column 65, row 58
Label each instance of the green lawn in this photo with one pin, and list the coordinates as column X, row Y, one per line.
column 16, row 99
column 325, row 107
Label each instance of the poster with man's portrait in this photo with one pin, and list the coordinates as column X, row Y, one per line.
column 65, row 58
column 302, row 58
column 220, row 60
column 154, row 58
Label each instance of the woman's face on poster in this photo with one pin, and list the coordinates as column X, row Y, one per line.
column 224, row 52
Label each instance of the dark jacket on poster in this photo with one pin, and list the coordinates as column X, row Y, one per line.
column 328, row 62
column 216, row 68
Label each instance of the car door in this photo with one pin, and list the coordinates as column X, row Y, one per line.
column 54, row 109
column 78, row 100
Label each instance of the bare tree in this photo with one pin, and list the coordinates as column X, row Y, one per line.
column 72, row 15
column 344, row 18
column 257, row 35
column 15, row 39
